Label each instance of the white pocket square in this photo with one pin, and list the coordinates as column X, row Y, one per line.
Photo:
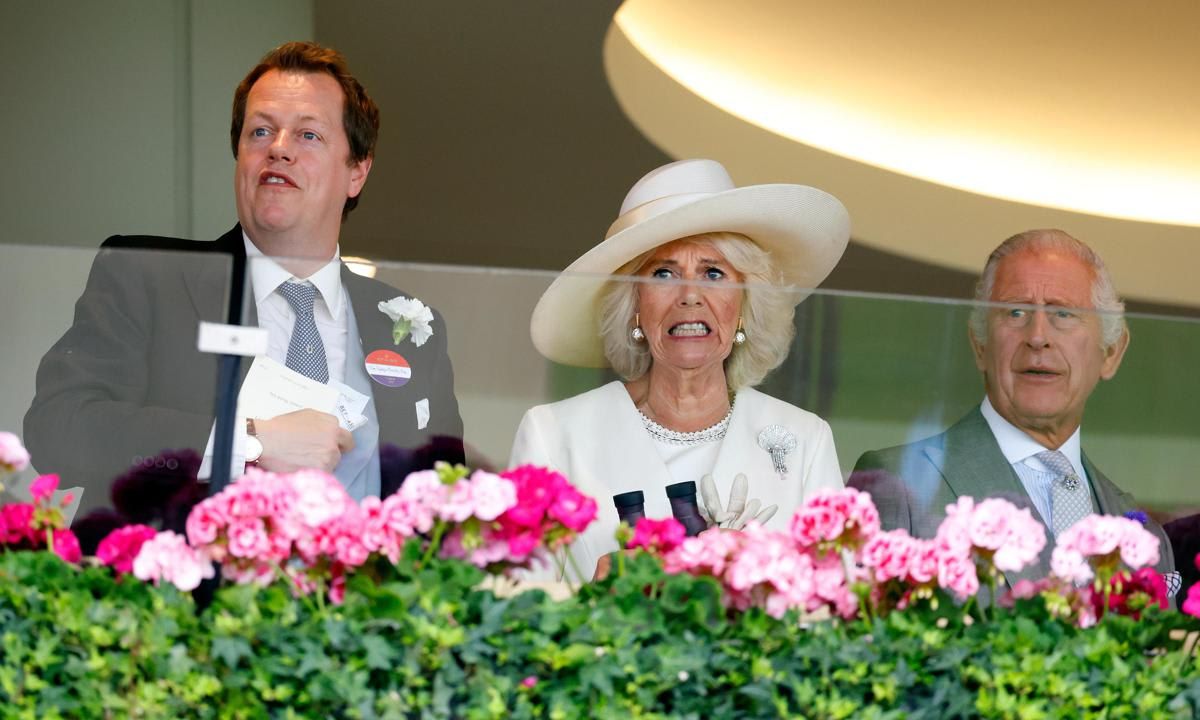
column 422, row 406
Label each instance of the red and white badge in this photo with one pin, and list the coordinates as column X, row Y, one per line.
column 388, row 368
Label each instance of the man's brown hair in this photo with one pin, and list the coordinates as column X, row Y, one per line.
column 360, row 115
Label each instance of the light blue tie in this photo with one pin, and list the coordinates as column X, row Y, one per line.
column 306, row 352
column 1070, row 498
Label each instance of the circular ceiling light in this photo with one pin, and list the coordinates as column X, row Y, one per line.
column 968, row 119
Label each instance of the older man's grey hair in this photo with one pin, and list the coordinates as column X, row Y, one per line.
column 1104, row 293
column 768, row 308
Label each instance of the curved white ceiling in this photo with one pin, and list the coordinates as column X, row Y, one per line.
column 962, row 120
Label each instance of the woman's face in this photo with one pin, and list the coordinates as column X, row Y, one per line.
column 689, row 326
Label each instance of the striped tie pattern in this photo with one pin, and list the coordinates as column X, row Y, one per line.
column 306, row 352
column 1070, row 499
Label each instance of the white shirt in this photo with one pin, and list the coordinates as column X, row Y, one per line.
column 1020, row 450
column 275, row 314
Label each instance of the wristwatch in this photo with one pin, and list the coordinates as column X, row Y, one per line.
column 254, row 446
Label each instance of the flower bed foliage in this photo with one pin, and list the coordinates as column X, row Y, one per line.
column 394, row 620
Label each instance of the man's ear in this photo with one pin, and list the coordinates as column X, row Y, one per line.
column 1113, row 355
column 977, row 349
column 358, row 176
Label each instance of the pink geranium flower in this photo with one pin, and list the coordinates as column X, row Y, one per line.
column 573, row 509
column 537, row 487
column 1191, row 605
column 13, row 456
column 318, row 497
column 843, row 519
column 994, row 533
column 18, row 524
column 492, row 495
column 957, row 574
column 66, row 546
column 168, row 557
column 660, row 536
column 1070, row 565
column 248, row 538
column 205, row 521
column 459, row 504
column 890, row 555
column 522, row 541
column 119, row 548
column 1102, row 542
column 43, row 487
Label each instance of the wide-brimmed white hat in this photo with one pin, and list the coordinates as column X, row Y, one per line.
column 804, row 229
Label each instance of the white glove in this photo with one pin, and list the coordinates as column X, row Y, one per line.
column 739, row 511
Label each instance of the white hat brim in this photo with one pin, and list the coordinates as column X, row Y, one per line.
column 804, row 229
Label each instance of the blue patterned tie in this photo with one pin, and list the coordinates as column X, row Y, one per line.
column 306, row 352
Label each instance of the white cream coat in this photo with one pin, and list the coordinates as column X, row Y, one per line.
column 598, row 442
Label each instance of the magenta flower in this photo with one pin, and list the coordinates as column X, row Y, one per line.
column 522, row 542
column 66, row 546
column 573, row 509
column 43, row 487
column 18, row 524
column 657, row 536
column 537, row 487
column 122, row 545
column 1191, row 605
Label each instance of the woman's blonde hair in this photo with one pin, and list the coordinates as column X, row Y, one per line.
column 768, row 307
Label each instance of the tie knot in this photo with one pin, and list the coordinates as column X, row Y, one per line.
column 1060, row 465
column 299, row 295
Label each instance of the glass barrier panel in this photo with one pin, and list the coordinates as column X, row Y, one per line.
column 121, row 381
column 104, row 381
column 882, row 371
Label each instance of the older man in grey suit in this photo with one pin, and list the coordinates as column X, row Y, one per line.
column 1040, row 358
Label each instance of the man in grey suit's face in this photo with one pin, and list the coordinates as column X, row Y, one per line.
column 1042, row 361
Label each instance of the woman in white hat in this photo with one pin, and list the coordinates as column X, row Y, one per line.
column 733, row 263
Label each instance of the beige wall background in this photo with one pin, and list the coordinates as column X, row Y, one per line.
column 115, row 120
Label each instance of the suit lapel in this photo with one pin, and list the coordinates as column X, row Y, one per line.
column 973, row 465
column 374, row 328
column 218, row 281
column 374, row 333
column 211, row 288
column 1109, row 498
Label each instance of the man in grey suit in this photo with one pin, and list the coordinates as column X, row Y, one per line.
column 1040, row 358
column 126, row 382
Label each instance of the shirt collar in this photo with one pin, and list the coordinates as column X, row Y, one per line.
column 1019, row 448
column 266, row 275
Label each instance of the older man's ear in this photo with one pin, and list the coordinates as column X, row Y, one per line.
column 977, row 350
column 1113, row 355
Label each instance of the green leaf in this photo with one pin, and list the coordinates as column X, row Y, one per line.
column 231, row 650
column 380, row 654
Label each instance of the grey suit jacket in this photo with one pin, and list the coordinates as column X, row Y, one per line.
column 912, row 485
column 127, row 382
